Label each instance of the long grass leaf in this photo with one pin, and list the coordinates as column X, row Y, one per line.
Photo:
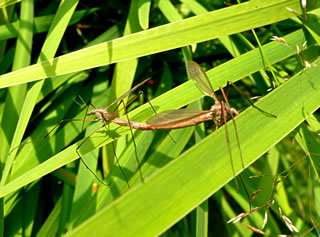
column 199, row 172
column 195, row 29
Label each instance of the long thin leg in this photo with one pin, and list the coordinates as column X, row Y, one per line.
column 67, row 120
column 227, row 91
column 235, row 127
column 146, row 98
column 87, row 109
column 84, row 161
column 84, row 118
column 114, row 153
column 238, row 141
column 228, row 141
column 127, row 93
column 250, row 102
column 57, row 125
column 83, row 102
column 126, row 105
column 134, row 143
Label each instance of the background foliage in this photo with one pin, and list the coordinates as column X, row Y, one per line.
column 98, row 51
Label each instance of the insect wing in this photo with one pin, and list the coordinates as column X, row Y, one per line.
column 200, row 78
column 174, row 116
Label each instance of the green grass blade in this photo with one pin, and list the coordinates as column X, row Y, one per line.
column 50, row 227
column 169, row 11
column 192, row 30
column 143, row 13
column 41, row 24
column 180, row 96
column 50, row 46
column 16, row 95
column 5, row 3
column 162, row 200
column 195, row 6
column 202, row 219
column 125, row 71
column 53, row 83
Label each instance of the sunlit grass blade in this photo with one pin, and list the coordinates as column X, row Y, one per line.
column 200, row 174
column 187, row 92
column 244, row 16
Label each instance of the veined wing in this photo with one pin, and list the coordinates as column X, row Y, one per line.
column 128, row 92
column 176, row 116
column 201, row 80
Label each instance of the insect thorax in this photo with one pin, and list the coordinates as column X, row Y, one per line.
column 217, row 110
column 108, row 116
column 103, row 115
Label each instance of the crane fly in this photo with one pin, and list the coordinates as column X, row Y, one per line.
column 220, row 107
column 181, row 118
column 106, row 118
column 172, row 119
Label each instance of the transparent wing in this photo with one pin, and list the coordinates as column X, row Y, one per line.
column 174, row 116
column 200, row 78
column 128, row 93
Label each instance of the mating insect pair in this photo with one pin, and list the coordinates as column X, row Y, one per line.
column 181, row 118
column 172, row 119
